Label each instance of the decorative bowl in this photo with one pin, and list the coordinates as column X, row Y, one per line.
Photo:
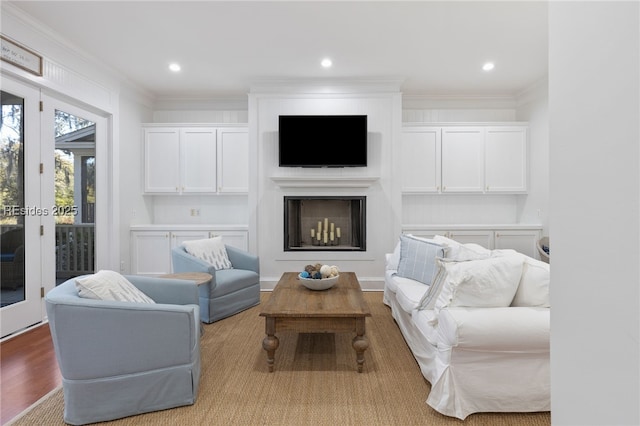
column 321, row 284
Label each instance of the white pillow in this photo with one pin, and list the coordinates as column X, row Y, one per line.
column 533, row 289
column 485, row 283
column 110, row 285
column 211, row 250
column 394, row 259
column 462, row 252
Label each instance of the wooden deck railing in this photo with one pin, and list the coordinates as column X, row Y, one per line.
column 75, row 246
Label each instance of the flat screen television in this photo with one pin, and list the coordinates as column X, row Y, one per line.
column 322, row 140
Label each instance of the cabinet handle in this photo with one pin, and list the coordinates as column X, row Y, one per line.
column 497, row 235
column 487, row 187
column 438, row 188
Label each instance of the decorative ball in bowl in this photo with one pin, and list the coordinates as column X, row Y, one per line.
column 319, row 277
column 318, row 284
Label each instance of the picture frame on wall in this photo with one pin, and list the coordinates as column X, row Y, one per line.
column 20, row 56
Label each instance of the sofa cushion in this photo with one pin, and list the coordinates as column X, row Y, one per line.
column 409, row 294
column 417, row 258
column 211, row 250
column 393, row 281
column 109, row 285
column 486, row 283
column 533, row 289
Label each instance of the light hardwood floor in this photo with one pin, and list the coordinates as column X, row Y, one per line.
column 28, row 371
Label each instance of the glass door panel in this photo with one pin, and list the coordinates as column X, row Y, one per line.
column 22, row 212
column 75, row 195
column 12, row 232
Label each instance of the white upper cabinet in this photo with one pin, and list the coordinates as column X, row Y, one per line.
column 162, row 160
column 462, row 159
column 421, row 159
column 233, row 160
column 506, row 159
column 196, row 160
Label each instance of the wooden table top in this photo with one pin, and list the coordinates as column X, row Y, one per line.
column 199, row 277
column 291, row 299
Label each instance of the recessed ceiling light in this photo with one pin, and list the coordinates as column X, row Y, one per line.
column 326, row 63
column 488, row 66
column 175, row 67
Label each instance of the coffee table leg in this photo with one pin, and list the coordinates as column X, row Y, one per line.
column 360, row 343
column 270, row 342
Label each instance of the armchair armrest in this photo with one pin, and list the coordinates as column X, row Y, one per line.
column 184, row 262
column 241, row 259
column 167, row 290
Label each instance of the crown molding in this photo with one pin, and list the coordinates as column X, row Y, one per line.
column 326, row 86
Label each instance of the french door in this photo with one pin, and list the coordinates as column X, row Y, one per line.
column 53, row 195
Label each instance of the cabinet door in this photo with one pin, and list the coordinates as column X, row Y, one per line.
column 420, row 153
column 150, row 252
column 179, row 237
column 506, row 159
column 463, row 159
column 237, row 239
column 233, row 160
column 161, row 160
column 481, row 237
column 523, row 241
column 198, row 160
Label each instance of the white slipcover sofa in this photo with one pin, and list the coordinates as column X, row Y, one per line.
column 477, row 322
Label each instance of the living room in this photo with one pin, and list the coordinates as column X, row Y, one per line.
column 390, row 107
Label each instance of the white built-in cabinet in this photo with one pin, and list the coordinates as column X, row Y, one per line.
column 195, row 160
column 522, row 239
column 151, row 248
column 464, row 159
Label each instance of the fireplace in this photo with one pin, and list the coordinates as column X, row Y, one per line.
column 326, row 223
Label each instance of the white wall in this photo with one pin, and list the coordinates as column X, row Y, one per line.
column 594, row 131
column 266, row 201
column 533, row 107
column 134, row 207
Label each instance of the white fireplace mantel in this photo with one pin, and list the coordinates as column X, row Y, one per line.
column 324, row 181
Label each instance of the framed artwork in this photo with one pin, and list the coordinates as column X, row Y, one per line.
column 20, row 56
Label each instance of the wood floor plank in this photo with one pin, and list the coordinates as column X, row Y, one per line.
column 28, row 371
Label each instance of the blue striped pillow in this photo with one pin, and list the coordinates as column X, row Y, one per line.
column 418, row 258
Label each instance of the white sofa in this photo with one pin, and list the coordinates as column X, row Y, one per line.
column 477, row 322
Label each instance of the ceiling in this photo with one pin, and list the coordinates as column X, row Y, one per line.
column 434, row 48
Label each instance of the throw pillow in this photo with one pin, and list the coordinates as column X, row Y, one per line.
column 533, row 289
column 486, row 283
column 110, row 285
column 211, row 250
column 428, row 301
column 417, row 258
column 462, row 252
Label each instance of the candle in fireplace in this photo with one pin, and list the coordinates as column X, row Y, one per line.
column 338, row 232
column 313, row 233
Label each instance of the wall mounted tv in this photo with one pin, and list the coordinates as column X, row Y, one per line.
column 322, row 141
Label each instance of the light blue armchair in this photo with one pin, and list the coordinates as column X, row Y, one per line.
column 230, row 290
column 119, row 359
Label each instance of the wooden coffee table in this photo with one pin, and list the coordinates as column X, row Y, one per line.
column 293, row 307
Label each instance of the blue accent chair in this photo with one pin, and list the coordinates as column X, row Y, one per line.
column 230, row 290
column 120, row 359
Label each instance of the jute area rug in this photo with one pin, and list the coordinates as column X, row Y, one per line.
column 315, row 381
